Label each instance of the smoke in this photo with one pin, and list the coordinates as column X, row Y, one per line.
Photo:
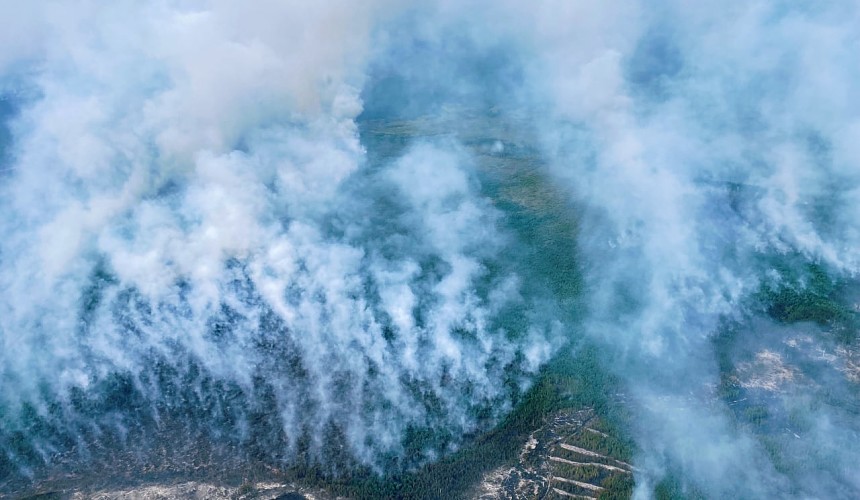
column 711, row 146
column 191, row 214
column 193, row 238
column 711, row 151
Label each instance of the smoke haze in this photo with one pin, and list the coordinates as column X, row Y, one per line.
column 198, row 232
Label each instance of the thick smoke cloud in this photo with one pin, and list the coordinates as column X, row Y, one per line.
column 713, row 146
column 185, row 191
column 188, row 214
column 712, row 150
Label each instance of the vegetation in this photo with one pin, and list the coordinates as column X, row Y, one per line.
column 573, row 379
column 670, row 488
column 617, row 487
column 809, row 295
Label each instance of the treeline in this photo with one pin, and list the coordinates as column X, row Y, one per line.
column 574, row 379
column 805, row 292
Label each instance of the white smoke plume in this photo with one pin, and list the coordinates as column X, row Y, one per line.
column 709, row 142
column 187, row 207
column 185, row 190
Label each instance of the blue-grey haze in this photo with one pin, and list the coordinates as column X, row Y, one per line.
column 203, row 234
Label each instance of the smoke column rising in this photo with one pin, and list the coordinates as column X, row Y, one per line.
column 190, row 227
column 187, row 203
column 712, row 149
column 714, row 145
